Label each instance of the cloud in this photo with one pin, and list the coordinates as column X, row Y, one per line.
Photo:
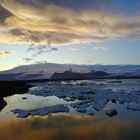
column 101, row 48
column 41, row 62
column 40, row 49
column 54, row 49
column 27, row 59
column 89, row 61
column 30, row 49
column 6, row 53
column 28, row 24
column 74, row 49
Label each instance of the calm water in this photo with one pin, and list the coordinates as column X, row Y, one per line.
column 73, row 125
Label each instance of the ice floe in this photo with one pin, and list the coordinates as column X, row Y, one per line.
column 90, row 97
column 41, row 111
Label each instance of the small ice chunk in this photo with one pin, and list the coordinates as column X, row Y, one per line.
column 111, row 112
column 21, row 113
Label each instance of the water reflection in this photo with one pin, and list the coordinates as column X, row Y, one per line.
column 28, row 102
column 66, row 127
column 78, row 126
column 67, row 92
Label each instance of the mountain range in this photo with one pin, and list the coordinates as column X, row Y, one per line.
column 46, row 70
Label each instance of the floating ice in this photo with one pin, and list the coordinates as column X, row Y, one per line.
column 91, row 96
column 41, row 111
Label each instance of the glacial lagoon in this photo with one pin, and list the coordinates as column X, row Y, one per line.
column 108, row 109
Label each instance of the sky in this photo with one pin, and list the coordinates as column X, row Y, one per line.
column 69, row 31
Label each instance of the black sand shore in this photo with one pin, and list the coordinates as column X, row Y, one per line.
column 8, row 88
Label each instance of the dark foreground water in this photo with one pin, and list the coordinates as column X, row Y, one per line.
column 60, row 127
column 85, row 119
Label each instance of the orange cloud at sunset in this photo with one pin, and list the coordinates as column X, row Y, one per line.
column 58, row 25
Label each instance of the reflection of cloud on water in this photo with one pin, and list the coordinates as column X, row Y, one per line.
column 56, row 127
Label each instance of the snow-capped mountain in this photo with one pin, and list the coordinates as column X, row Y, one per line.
column 45, row 70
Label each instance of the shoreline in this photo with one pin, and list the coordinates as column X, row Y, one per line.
column 22, row 81
column 12, row 88
column 8, row 88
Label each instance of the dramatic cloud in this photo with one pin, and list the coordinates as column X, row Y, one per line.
column 54, row 25
column 101, row 47
column 6, row 53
